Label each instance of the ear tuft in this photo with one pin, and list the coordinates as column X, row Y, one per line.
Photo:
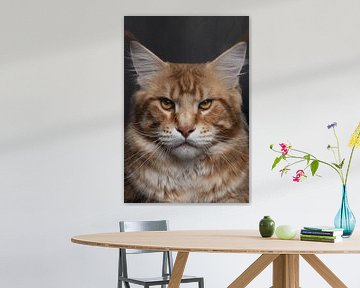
column 229, row 64
column 146, row 63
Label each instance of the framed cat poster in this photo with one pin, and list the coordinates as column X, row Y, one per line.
column 186, row 109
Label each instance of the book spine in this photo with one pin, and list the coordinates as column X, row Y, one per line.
column 318, row 239
column 320, row 233
column 319, row 236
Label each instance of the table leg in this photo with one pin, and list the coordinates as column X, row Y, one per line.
column 286, row 271
column 253, row 270
column 178, row 269
column 324, row 271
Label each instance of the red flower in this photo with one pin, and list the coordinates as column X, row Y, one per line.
column 284, row 148
column 300, row 174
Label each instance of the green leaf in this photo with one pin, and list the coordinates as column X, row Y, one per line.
column 276, row 161
column 307, row 157
column 336, row 165
column 342, row 163
column 339, row 166
column 271, row 146
column 314, row 166
column 284, row 171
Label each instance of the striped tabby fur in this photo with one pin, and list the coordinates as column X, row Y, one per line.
column 187, row 140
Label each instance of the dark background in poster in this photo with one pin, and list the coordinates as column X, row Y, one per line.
column 186, row 39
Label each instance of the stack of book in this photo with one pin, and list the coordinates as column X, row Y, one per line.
column 321, row 234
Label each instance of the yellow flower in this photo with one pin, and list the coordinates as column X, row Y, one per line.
column 355, row 137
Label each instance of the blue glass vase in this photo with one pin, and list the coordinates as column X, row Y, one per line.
column 345, row 219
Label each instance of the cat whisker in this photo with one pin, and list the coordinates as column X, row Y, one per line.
column 236, row 149
column 133, row 155
column 238, row 153
column 238, row 145
column 232, row 167
column 143, row 155
column 231, row 138
column 146, row 134
column 144, row 162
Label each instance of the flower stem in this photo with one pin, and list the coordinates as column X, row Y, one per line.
column 339, row 156
column 338, row 146
column 333, row 152
column 296, row 162
column 313, row 158
column 304, row 152
column 348, row 167
column 338, row 171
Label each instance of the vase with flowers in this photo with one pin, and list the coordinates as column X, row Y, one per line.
column 293, row 157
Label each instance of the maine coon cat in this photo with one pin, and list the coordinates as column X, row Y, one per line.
column 187, row 140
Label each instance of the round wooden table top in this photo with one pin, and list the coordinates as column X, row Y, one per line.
column 221, row 241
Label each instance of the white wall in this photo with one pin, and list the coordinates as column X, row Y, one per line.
column 61, row 133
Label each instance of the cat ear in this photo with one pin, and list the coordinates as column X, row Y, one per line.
column 146, row 63
column 229, row 64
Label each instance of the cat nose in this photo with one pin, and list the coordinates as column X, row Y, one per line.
column 186, row 130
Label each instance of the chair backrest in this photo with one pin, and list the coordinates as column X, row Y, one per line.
column 134, row 226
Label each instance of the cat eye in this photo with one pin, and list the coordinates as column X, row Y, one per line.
column 205, row 104
column 166, row 103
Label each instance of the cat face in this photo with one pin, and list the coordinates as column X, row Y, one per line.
column 188, row 110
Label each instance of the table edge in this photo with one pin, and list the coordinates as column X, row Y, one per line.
column 203, row 250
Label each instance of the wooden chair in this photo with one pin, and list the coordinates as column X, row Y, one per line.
column 167, row 262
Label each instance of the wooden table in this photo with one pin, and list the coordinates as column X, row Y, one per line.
column 284, row 254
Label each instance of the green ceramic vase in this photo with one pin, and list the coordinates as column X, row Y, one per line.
column 266, row 227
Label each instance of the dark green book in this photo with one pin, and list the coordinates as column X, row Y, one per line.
column 324, row 239
column 319, row 236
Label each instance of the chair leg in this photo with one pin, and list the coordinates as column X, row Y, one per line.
column 126, row 284
column 201, row 283
column 120, row 273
